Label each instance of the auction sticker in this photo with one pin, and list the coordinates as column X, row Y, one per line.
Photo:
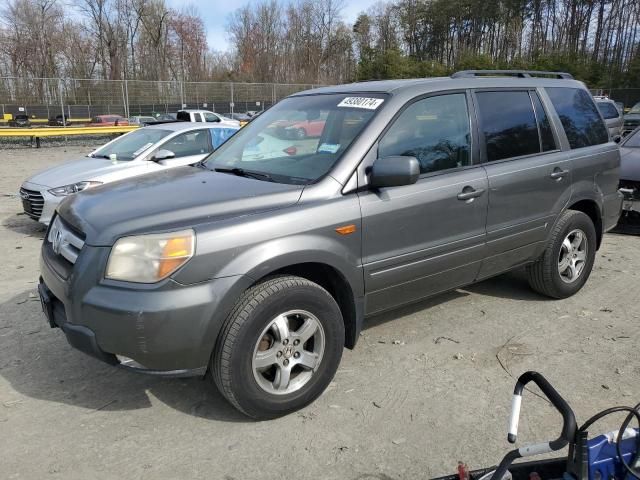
column 361, row 102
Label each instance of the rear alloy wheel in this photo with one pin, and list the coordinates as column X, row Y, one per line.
column 568, row 258
column 279, row 348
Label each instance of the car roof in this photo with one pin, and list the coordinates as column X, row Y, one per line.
column 604, row 100
column 195, row 110
column 443, row 83
column 177, row 126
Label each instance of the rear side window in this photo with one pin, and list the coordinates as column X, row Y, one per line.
column 579, row 116
column 608, row 110
column 508, row 123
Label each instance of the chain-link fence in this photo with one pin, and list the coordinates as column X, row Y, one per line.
column 46, row 98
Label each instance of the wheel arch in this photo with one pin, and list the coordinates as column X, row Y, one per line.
column 336, row 283
column 590, row 208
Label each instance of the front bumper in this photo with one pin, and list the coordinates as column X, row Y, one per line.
column 164, row 329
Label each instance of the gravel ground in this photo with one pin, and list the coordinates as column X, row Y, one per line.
column 427, row 385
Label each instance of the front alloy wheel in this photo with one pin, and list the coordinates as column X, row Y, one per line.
column 279, row 348
column 288, row 352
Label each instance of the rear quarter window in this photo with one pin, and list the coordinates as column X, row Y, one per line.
column 579, row 116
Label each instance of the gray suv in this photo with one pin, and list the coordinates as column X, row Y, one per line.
column 260, row 263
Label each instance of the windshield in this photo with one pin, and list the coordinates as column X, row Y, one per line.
column 608, row 110
column 635, row 108
column 299, row 139
column 131, row 145
column 632, row 140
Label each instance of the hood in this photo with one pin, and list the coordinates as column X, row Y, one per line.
column 78, row 171
column 632, row 116
column 630, row 164
column 169, row 200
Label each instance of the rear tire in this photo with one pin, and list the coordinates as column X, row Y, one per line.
column 566, row 263
column 279, row 348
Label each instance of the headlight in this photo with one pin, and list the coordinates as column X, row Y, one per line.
column 150, row 258
column 73, row 188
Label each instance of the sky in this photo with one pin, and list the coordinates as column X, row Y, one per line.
column 215, row 14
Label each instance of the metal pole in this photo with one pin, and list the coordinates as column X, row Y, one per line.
column 64, row 120
column 126, row 90
column 232, row 104
column 124, row 100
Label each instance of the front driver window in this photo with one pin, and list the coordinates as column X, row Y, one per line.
column 195, row 142
column 435, row 130
column 210, row 117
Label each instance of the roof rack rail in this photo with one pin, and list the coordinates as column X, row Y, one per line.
column 511, row 73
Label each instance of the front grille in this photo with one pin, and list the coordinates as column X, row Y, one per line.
column 32, row 203
column 631, row 185
column 64, row 241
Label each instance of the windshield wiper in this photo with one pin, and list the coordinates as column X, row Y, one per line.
column 241, row 172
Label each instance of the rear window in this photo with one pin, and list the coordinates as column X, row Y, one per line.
column 579, row 116
column 608, row 110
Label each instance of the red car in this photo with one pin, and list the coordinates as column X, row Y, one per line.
column 108, row 121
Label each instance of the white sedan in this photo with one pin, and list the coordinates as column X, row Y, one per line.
column 141, row 151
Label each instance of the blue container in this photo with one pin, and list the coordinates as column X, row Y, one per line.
column 604, row 463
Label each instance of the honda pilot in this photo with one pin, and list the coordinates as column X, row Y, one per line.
column 259, row 268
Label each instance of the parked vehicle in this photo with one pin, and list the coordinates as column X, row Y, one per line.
column 631, row 119
column 205, row 116
column 108, row 121
column 166, row 117
column 612, row 116
column 630, row 180
column 20, row 120
column 243, row 118
column 59, row 121
column 141, row 151
column 262, row 271
column 142, row 120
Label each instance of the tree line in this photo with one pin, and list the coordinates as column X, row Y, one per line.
column 309, row 41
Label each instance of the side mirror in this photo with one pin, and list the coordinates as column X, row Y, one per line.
column 163, row 155
column 617, row 138
column 394, row 171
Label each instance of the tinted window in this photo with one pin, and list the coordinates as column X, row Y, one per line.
column 508, row 123
column 579, row 116
column 434, row 130
column 547, row 142
column 608, row 110
column 195, row 142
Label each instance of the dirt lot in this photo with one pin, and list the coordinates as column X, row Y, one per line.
column 427, row 385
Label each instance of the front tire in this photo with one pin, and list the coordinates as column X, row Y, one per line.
column 279, row 348
column 566, row 263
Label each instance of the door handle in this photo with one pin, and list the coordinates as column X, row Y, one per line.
column 469, row 193
column 558, row 174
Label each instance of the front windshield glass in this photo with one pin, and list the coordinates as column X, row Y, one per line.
column 635, row 108
column 632, row 140
column 131, row 145
column 298, row 140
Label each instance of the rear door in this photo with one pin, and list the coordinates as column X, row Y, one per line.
column 529, row 176
column 428, row 237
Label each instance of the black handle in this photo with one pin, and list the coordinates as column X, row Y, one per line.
column 569, row 427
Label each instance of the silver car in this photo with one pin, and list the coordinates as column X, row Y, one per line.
column 611, row 114
column 141, row 151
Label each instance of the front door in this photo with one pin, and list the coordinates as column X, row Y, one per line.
column 428, row 237
column 189, row 147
